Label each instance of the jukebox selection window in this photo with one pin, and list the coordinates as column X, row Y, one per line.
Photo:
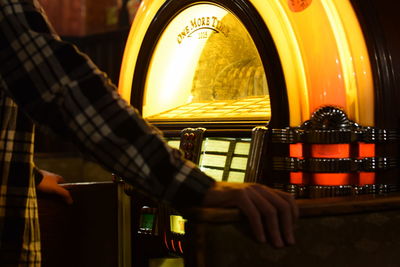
column 224, row 159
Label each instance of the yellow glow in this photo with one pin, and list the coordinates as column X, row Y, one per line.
column 177, row 224
column 320, row 56
column 324, row 57
column 205, row 66
column 275, row 15
column 345, row 56
column 228, row 110
column 171, row 72
column 143, row 18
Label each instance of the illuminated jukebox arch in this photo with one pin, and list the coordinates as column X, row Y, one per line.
column 201, row 52
column 317, row 73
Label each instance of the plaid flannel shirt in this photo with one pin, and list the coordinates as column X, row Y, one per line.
column 48, row 83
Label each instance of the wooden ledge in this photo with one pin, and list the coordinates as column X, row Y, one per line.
column 308, row 208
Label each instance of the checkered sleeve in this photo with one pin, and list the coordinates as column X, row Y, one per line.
column 37, row 175
column 60, row 88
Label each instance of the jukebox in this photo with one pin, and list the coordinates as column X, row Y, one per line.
column 301, row 95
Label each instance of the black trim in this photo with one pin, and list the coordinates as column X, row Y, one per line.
column 330, row 125
column 333, row 165
column 381, row 34
column 379, row 20
column 319, row 191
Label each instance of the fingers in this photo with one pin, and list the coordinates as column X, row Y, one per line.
column 285, row 213
column 270, row 216
column 64, row 193
column 253, row 216
column 289, row 198
column 50, row 184
column 270, row 212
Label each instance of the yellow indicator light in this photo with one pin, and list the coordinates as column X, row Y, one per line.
column 177, row 224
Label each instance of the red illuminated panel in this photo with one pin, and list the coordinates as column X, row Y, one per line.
column 296, row 151
column 333, row 151
column 366, row 150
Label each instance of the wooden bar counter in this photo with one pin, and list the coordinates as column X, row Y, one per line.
column 347, row 231
column 83, row 234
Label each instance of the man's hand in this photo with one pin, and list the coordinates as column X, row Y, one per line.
column 50, row 184
column 271, row 213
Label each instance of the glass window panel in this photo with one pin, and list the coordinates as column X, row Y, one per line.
column 239, row 163
column 215, row 145
column 212, row 160
column 216, row 174
column 243, row 148
column 205, row 57
column 174, row 143
column 236, row 177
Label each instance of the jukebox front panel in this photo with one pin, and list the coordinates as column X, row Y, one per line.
column 211, row 64
column 288, row 91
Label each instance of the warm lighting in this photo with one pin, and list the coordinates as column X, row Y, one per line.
column 144, row 16
column 321, row 48
column 204, row 66
column 331, row 151
column 322, row 51
column 361, row 71
column 324, row 58
column 366, row 150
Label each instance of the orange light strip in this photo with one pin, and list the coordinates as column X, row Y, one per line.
column 360, row 72
column 144, row 16
column 276, row 15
